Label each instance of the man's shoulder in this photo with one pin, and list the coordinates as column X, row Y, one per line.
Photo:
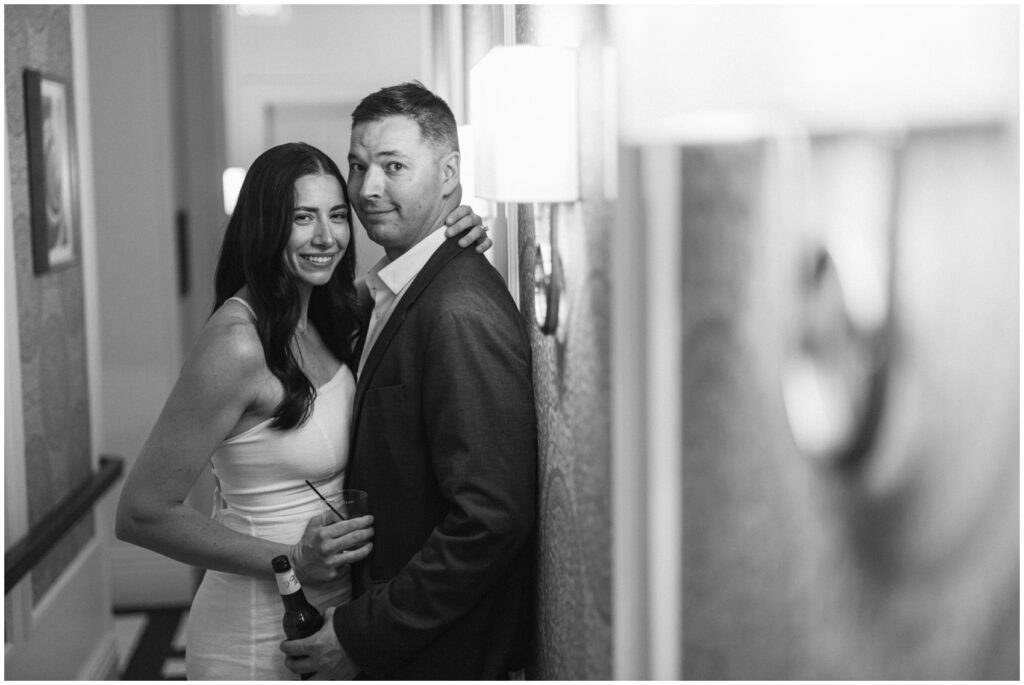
column 467, row 263
column 468, row 277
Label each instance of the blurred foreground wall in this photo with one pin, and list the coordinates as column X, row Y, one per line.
column 904, row 564
column 849, row 294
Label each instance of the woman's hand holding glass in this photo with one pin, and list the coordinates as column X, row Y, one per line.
column 327, row 544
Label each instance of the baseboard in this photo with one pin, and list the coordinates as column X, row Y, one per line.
column 105, row 663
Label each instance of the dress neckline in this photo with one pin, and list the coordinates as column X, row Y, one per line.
column 337, row 374
column 328, row 386
column 244, row 304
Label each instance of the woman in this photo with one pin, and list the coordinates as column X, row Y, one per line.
column 266, row 397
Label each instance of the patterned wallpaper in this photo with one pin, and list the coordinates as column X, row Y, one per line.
column 50, row 312
column 571, row 377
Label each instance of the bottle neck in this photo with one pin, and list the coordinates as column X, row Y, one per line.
column 295, row 600
column 290, row 589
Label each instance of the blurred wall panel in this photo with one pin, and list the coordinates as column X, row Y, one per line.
column 901, row 562
column 739, row 483
column 904, row 565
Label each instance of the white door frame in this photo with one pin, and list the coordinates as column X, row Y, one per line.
column 647, row 415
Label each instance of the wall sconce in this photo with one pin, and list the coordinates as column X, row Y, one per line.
column 524, row 107
column 232, row 184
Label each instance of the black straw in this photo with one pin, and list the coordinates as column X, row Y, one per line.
column 340, row 517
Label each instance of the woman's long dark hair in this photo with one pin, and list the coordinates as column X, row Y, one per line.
column 252, row 254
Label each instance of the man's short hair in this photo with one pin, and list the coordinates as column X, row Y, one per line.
column 431, row 113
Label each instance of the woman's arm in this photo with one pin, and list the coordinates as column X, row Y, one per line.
column 218, row 383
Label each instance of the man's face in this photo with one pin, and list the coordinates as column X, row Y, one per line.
column 396, row 182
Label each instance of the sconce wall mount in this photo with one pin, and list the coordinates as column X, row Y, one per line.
column 524, row 107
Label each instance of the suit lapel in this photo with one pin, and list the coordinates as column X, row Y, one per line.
column 444, row 254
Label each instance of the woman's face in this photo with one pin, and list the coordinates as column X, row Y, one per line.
column 320, row 230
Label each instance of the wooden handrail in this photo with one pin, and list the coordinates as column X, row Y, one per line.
column 23, row 556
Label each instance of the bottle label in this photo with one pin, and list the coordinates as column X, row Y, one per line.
column 287, row 583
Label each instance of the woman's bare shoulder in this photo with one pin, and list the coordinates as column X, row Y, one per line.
column 228, row 345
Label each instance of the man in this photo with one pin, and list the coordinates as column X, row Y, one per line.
column 444, row 436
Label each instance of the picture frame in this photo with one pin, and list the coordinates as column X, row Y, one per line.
column 52, row 171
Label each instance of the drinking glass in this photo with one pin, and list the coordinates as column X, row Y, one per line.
column 347, row 504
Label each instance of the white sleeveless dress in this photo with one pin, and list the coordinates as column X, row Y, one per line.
column 234, row 627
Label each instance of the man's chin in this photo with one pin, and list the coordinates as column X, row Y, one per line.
column 382, row 234
column 377, row 231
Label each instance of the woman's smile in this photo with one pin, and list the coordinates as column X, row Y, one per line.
column 320, row 259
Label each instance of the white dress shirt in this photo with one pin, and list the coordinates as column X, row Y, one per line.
column 388, row 280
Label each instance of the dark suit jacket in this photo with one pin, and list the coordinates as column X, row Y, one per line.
column 444, row 440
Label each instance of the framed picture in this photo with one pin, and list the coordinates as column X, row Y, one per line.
column 52, row 169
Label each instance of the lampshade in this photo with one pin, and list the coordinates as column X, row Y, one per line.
column 525, row 115
column 232, row 183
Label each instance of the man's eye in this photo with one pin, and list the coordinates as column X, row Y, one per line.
column 395, row 166
column 354, row 167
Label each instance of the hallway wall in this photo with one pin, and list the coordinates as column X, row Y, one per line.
column 572, row 371
column 133, row 98
column 51, row 319
column 63, row 606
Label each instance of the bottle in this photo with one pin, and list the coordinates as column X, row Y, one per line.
column 301, row 619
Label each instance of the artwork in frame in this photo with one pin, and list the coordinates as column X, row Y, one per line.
column 49, row 124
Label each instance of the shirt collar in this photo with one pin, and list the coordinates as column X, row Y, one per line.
column 398, row 274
